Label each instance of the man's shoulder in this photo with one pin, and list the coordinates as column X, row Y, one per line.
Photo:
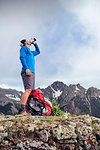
column 24, row 48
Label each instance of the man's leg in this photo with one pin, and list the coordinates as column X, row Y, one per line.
column 29, row 83
column 32, row 83
column 25, row 96
column 24, row 99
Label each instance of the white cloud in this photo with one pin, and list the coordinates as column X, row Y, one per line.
column 87, row 13
column 20, row 19
column 85, row 61
column 69, row 40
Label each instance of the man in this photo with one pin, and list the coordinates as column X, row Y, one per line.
column 28, row 71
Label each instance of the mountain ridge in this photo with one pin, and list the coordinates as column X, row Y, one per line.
column 74, row 98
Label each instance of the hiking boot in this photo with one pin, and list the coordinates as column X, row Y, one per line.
column 29, row 111
column 23, row 112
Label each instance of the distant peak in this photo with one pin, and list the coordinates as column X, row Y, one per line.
column 58, row 82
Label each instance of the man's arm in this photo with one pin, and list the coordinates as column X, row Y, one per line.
column 23, row 60
column 37, row 50
column 23, row 57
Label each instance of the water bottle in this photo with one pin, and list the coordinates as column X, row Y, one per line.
column 32, row 40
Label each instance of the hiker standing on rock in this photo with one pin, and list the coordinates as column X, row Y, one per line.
column 28, row 71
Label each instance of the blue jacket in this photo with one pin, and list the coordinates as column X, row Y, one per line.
column 27, row 58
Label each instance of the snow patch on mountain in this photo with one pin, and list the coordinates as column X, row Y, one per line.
column 77, row 89
column 57, row 93
column 11, row 96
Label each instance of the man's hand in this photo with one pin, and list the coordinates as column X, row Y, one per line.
column 33, row 42
column 28, row 72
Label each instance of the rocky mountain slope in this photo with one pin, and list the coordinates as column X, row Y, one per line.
column 74, row 99
column 9, row 101
column 49, row 133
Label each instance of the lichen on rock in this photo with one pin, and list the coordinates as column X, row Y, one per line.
column 49, row 133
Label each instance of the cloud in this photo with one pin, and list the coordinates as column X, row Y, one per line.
column 20, row 19
column 68, row 36
column 87, row 13
column 84, row 61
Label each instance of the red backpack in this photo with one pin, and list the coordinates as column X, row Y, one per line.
column 37, row 94
column 46, row 104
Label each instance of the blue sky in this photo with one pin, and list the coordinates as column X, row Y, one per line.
column 67, row 33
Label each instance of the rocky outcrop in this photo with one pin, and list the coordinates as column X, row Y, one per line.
column 49, row 133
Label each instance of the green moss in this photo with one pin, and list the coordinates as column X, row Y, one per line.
column 70, row 118
column 39, row 123
column 93, row 122
column 63, row 120
column 15, row 119
column 20, row 130
column 46, row 119
column 10, row 135
column 16, row 141
column 13, row 127
column 74, row 115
